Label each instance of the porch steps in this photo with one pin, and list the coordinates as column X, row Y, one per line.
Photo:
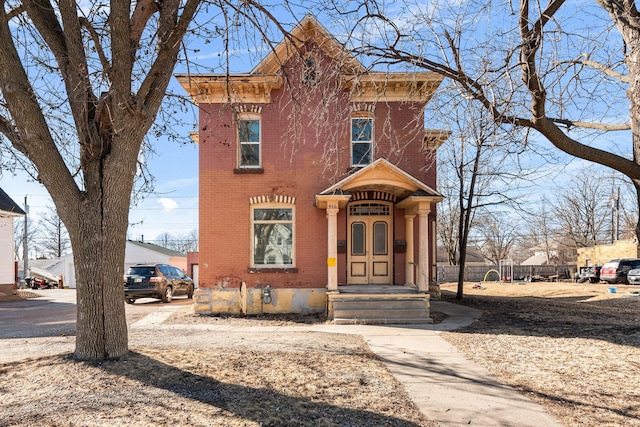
column 379, row 309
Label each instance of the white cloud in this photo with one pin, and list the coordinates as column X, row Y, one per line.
column 168, row 204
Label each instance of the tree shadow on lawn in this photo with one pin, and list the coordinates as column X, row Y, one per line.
column 263, row 405
column 614, row 320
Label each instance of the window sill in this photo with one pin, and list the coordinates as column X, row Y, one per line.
column 250, row 171
column 272, row 270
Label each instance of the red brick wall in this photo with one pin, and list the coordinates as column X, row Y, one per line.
column 298, row 160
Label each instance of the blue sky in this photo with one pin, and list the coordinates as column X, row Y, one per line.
column 173, row 207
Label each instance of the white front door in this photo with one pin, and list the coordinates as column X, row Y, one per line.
column 369, row 255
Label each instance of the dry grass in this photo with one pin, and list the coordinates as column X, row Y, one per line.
column 575, row 348
column 218, row 388
column 297, row 379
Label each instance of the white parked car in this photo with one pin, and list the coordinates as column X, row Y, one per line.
column 633, row 276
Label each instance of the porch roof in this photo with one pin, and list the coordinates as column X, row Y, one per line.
column 380, row 175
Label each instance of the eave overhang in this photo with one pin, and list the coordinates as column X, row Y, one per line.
column 434, row 138
column 229, row 88
column 391, row 87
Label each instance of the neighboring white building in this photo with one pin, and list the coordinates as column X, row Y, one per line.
column 135, row 253
column 8, row 211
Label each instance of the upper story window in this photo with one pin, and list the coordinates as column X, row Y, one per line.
column 361, row 141
column 310, row 69
column 249, row 141
column 272, row 235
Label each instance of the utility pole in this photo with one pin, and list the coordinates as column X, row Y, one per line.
column 618, row 214
column 615, row 212
column 25, row 246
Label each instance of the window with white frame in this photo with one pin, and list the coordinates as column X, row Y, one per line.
column 361, row 141
column 249, row 141
column 272, row 235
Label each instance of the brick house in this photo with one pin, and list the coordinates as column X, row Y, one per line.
column 317, row 185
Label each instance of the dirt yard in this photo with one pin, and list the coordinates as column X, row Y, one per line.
column 573, row 348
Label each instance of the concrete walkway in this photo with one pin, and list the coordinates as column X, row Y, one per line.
column 448, row 388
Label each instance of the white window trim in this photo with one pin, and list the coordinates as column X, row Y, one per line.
column 351, row 142
column 249, row 116
column 293, row 233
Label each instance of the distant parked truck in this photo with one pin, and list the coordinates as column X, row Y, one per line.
column 41, row 279
column 589, row 274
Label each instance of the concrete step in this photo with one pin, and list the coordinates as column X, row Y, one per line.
column 379, row 309
column 388, row 321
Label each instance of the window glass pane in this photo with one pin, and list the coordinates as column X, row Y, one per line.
column 273, row 214
column 380, row 238
column 357, row 238
column 361, row 129
column 361, row 153
column 249, row 154
column 273, row 243
column 249, row 130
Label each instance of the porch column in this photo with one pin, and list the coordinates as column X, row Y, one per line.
column 423, row 253
column 332, row 247
column 409, row 262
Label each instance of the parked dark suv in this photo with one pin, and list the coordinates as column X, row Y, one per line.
column 615, row 271
column 156, row 281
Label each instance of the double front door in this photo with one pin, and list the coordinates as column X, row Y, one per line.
column 369, row 255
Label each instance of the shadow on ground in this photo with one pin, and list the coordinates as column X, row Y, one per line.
column 613, row 320
column 262, row 405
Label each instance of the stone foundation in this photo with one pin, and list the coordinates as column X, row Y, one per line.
column 252, row 301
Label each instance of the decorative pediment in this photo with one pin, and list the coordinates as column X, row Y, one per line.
column 381, row 176
column 309, row 29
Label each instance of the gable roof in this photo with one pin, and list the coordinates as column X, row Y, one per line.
column 309, row 29
column 383, row 175
column 156, row 248
column 7, row 205
column 256, row 87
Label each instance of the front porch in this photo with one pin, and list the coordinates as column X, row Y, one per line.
column 378, row 305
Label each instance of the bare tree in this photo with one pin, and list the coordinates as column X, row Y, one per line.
column 582, row 213
column 80, row 87
column 187, row 242
column 18, row 238
column 499, row 234
column 569, row 73
column 165, row 240
column 55, row 239
column 479, row 168
column 179, row 242
column 541, row 232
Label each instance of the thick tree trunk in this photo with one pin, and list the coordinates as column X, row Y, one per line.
column 101, row 325
column 98, row 231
